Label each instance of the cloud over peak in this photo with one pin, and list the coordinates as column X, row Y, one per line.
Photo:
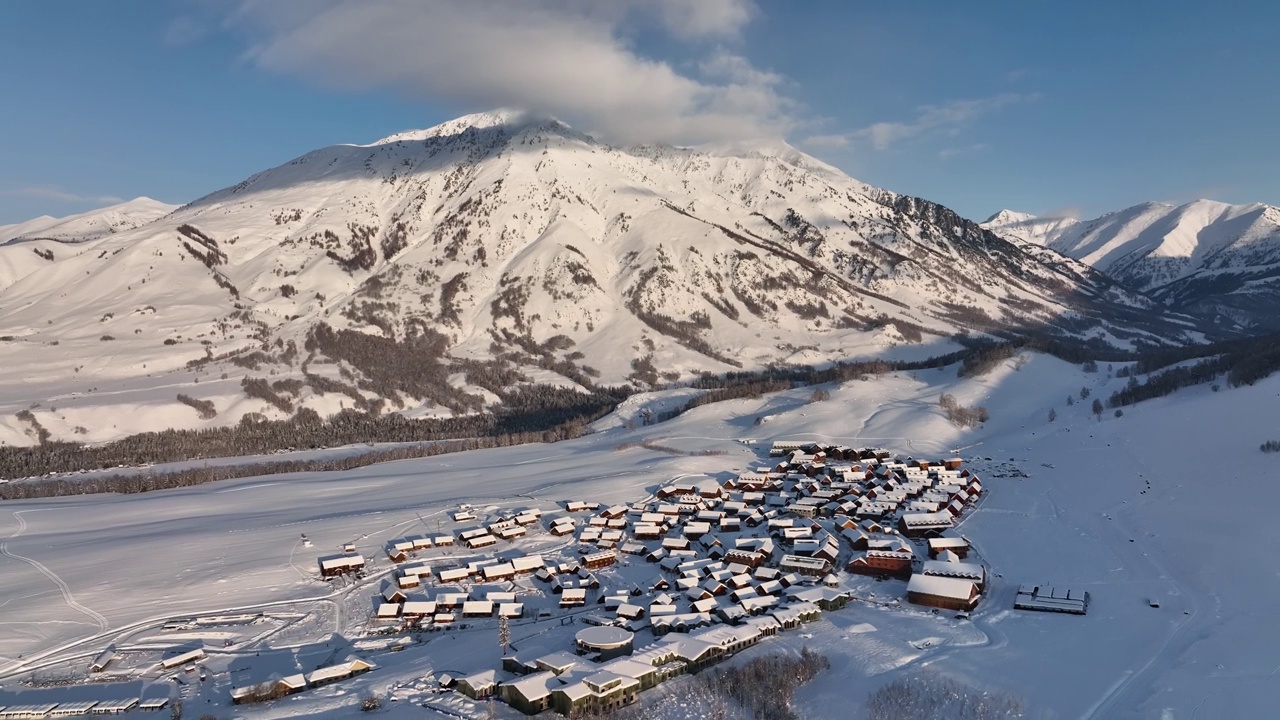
column 568, row 58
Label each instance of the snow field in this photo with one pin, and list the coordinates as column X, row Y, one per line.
column 1067, row 503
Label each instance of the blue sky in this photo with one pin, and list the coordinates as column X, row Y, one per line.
column 1077, row 107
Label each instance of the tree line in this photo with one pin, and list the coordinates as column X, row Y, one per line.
column 1242, row 362
column 139, row 482
column 534, row 413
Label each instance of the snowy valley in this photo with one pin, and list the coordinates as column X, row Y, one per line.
column 571, row 361
column 1117, row 506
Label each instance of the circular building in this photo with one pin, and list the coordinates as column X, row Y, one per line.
column 606, row 641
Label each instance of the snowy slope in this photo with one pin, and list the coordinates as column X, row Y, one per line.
column 89, row 225
column 29, row 246
column 392, row 269
column 1130, row 509
column 1204, row 256
column 1027, row 227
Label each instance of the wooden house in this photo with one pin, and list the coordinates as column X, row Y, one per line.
column 477, row 608
column 878, row 563
column 499, row 572
column 943, row 592
column 972, row 572
column 924, row 524
column 601, row 559
column 956, row 545
column 336, row 565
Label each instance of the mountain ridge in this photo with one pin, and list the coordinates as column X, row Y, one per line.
column 89, row 225
column 1205, row 257
column 441, row 271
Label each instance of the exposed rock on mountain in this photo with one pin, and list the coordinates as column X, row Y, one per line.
column 436, row 272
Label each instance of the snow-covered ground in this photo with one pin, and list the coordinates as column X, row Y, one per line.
column 1171, row 502
column 508, row 228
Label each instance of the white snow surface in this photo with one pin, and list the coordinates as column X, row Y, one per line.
column 502, row 230
column 1153, row 244
column 1171, row 502
column 89, row 225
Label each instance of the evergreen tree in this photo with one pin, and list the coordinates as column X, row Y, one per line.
column 504, row 633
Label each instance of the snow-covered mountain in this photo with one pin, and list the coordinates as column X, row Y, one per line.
column 43, row 238
column 1027, row 227
column 89, row 225
column 1206, row 257
column 431, row 271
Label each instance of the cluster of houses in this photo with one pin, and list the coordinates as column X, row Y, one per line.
column 574, row 684
column 279, row 686
column 707, row 568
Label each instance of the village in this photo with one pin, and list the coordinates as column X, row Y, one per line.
column 591, row 604
column 683, row 579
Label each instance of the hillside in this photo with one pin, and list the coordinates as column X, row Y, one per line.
column 1203, row 257
column 436, row 272
column 1099, row 505
column 89, row 225
column 36, row 242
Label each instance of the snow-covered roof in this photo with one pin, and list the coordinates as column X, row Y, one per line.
column 536, row 685
column 942, row 568
column 940, row 519
column 480, row 680
column 938, row 586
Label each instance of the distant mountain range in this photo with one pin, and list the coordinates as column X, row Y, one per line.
column 1204, row 257
column 90, row 225
column 439, row 272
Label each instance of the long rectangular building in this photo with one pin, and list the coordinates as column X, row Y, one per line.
column 1047, row 599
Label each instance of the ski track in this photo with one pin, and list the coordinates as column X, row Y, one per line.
column 67, row 597
column 1176, row 641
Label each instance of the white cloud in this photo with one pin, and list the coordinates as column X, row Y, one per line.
column 182, row 31
column 953, row 152
column 724, row 65
column 1018, row 74
column 826, row 142
column 569, row 58
column 704, row 18
column 51, row 192
column 949, row 118
column 1072, row 212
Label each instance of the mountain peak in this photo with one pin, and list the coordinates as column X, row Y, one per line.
column 91, row 224
column 514, row 119
column 1007, row 216
column 505, row 248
